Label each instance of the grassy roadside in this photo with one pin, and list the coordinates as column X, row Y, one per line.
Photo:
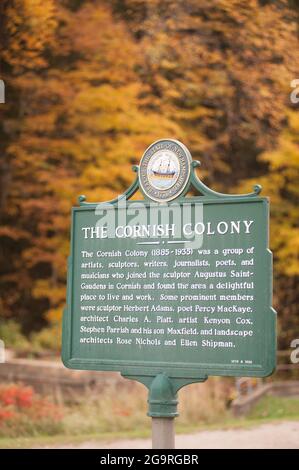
column 268, row 410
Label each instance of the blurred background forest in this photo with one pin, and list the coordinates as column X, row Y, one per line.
column 90, row 84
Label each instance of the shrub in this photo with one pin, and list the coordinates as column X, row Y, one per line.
column 47, row 339
column 10, row 333
column 24, row 413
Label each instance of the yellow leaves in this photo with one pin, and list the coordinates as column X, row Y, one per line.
column 102, row 44
column 30, row 27
column 294, row 123
column 281, row 184
column 92, row 88
column 106, row 108
column 286, row 245
column 196, row 113
column 285, row 158
column 42, row 288
column 54, row 315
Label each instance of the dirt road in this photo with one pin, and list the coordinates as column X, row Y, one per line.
column 267, row 436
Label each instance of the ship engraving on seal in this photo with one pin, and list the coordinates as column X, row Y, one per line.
column 164, row 170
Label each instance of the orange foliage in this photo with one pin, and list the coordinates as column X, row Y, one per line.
column 90, row 84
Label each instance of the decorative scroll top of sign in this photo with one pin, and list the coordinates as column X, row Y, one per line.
column 166, row 172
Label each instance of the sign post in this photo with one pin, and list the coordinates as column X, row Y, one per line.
column 163, row 433
column 170, row 289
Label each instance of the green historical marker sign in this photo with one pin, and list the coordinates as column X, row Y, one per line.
column 171, row 289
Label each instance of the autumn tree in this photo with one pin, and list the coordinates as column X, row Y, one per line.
column 281, row 184
column 222, row 71
column 28, row 28
column 90, row 84
column 75, row 121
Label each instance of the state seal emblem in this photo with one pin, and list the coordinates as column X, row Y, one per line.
column 164, row 170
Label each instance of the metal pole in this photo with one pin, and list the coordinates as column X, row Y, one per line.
column 163, row 433
column 162, row 405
